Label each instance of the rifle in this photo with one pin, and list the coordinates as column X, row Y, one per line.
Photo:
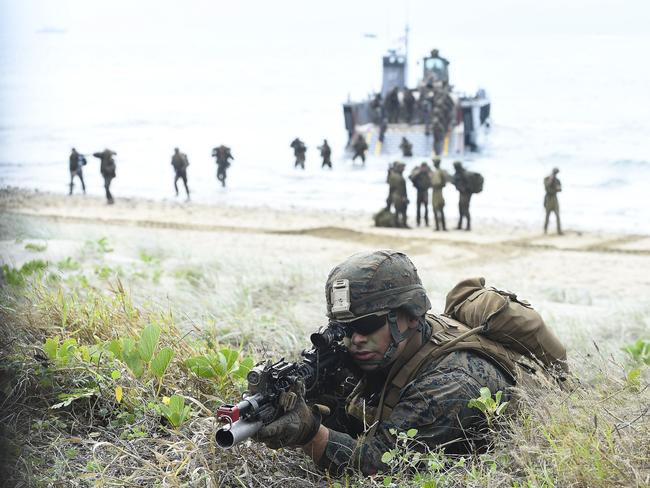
column 321, row 370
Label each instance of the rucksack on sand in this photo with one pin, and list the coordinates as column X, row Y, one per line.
column 506, row 319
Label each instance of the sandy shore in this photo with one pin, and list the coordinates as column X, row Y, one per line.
column 591, row 276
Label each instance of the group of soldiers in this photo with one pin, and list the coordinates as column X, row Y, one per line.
column 433, row 108
column 360, row 146
column 424, row 178
column 467, row 183
column 180, row 162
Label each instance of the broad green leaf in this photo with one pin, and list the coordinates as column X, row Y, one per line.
column 115, row 347
column 219, row 364
column 244, row 368
column 387, row 457
column 85, row 354
column 132, row 359
column 51, row 347
column 411, row 432
column 161, row 361
column 200, row 366
column 388, row 480
column 115, row 374
column 148, row 342
column 231, row 356
column 486, row 393
column 502, row 408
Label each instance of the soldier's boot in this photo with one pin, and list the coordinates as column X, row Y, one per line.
column 71, row 187
column 176, row 186
column 469, row 227
column 426, row 215
column 83, row 184
column 417, row 216
column 442, row 218
column 460, row 223
column 559, row 227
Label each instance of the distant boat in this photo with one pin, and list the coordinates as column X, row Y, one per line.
column 467, row 117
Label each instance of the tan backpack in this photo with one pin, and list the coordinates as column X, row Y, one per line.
column 505, row 319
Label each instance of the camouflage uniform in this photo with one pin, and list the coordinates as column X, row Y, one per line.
column 406, row 147
column 223, row 156
column 552, row 186
column 435, row 404
column 421, row 179
column 438, row 129
column 299, row 150
column 107, row 169
column 439, row 178
column 397, row 186
column 180, row 164
column 409, row 105
column 326, row 154
column 77, row 161
column 360, row 147
column 464, row 195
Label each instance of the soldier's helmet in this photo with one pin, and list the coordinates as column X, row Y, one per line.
column 434, row 53
column 458, row 165
column 374, row 283
column 555, row 171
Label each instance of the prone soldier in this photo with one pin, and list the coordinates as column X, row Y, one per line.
column 407, row 374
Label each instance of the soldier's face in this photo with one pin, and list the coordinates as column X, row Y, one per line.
column 367, row 351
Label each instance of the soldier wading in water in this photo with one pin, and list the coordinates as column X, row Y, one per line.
column 405, row 374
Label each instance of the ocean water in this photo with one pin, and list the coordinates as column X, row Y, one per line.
column 569, row 87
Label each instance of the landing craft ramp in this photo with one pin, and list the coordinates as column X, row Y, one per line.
column 422, row 143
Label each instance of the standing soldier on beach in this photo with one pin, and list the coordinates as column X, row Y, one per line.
column 552, row 186
column 299, row 150
column 180, row 164
column 326, row 154
column 406, row 147
column 439, row 178
column 223, row 156
column 107, row 169
column 464, row 194
column 77, row 162
column 397, row 185
column 421, row 179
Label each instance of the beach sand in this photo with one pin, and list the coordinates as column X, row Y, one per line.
column 578, row 278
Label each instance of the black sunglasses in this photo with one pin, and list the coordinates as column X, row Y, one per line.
column 364, row 326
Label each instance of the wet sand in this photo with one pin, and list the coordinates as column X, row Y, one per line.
column 578, row 278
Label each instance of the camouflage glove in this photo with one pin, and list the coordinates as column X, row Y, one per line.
column 295, row 428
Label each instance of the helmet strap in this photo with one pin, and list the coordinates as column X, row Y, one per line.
column 396, row 336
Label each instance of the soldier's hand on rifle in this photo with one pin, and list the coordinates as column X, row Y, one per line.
column 295, row 428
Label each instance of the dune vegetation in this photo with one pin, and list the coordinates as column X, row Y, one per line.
column 101, row 389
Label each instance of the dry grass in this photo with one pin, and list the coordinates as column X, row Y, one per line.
column 598, row 435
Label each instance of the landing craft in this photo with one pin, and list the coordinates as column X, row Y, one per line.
column 466, row 117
